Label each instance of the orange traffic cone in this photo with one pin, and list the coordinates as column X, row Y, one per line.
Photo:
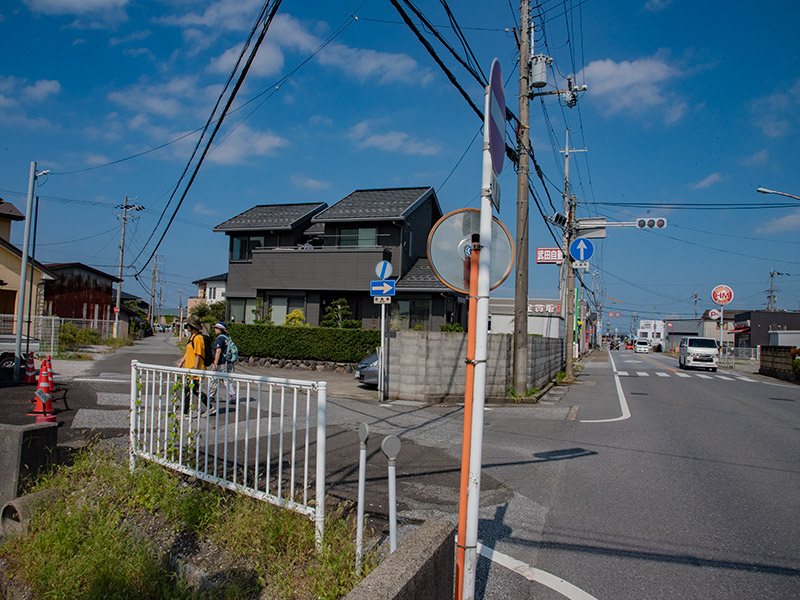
column 50, row 375
column 43, row 411
column 30, row 371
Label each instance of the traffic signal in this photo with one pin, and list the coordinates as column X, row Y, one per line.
column 648, row 223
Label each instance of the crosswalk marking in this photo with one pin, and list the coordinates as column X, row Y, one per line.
column 643, row 373
column 725, row 378
column 746, row 379
column 701, row 376
column 662, row 374
column 623, row 373
column 682, row 375
column 685, row 375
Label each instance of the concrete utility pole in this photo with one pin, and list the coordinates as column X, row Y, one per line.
column 771, row 297
column 569, row 211
column 520, row 348
column 125, row 206
column 151, row 309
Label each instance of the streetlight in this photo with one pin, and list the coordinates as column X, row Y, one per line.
column 766, row 191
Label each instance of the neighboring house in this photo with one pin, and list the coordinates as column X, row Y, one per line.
column 752, row 329
column 305, row 256
column 10, row 267
column 544, row 317
column 80, row 292
column 209, row 290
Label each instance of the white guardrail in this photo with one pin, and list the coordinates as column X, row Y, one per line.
column 234, row 446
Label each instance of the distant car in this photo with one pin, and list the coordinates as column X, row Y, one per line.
column 641, row 346
column 698, row 352
column 614, row 344
column 629, row 346
column 367, row 369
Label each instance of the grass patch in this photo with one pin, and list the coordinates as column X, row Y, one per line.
column 110, row 533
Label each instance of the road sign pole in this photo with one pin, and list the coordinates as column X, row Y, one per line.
column 479, row 391
column 382, row 356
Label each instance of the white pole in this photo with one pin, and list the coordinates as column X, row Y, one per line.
column 382, row 356
column 481, row 343
column 391, row 448
column 23, row 270
column 322, row 439
column 363, row 434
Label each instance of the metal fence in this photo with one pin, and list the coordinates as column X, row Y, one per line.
column 259, row 445
column 45, row 329
column 733, row 356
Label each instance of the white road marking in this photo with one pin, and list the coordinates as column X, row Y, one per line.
column 701, row 376
column 623, row 373
column 558, row 585
column 682, row 375
column 725, row 378
column 662, row 374
column 623, row 403
column 643, row 373
column 746, row 379
column 101, row 380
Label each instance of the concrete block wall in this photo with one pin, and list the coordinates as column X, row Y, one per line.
column 430, row 366
column 25, row 450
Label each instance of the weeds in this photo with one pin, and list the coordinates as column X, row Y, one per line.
column 83, row 543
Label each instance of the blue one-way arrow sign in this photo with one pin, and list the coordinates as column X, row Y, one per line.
column 381, row 287
column 581, row 249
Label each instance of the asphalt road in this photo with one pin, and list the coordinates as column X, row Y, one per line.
column 685, row 485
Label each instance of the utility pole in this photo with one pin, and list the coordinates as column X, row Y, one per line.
column 520, row 348
column 125, row 206
column 771, row 297
column 569, row 211
column 695, row 296
column 151, row 309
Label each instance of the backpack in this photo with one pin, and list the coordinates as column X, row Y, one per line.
column 231, row 351
column 208, row 357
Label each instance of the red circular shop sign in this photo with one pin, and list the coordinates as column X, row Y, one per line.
column 722, row 294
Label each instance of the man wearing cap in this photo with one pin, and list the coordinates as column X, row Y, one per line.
column 219, row 350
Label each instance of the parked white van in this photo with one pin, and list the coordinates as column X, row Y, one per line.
column 698, row 352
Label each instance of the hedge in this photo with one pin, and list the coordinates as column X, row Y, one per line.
column 304, row 343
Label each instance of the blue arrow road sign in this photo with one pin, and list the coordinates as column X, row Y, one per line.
column 381, row 287
column 581, row 249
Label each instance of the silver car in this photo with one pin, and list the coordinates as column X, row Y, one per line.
column 367, row 369
column 698, row 352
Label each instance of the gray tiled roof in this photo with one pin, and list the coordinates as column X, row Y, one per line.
column 221, row 277
column 420, row 277
column 376, row 205
column 271, row 216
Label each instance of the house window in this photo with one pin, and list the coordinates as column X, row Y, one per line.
column 363, row 236
column 243, row 310
column 242, row 246
column 283, row 305
column 407, row 314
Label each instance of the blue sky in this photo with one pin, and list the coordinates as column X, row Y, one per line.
column 689, row 104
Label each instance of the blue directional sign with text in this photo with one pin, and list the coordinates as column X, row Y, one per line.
column 581, row 249
column 381, row 287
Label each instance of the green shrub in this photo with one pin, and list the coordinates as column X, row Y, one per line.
column 299, row 343
column 67, row 336
column 87, row 337
column 452, row 327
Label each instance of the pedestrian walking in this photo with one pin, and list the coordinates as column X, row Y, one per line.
column 194, row 358
column 221, row 363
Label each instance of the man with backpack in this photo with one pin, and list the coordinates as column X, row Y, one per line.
column 224, row 356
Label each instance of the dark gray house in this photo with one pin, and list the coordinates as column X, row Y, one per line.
column 284, row 257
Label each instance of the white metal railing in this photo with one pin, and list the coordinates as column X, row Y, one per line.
column 234, row 446
column 734, row 355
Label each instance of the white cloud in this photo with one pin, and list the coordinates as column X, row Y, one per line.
column 778, row 114
column 202, row 209
column 166, row 100
column 657, row 5
column 707, row 182
column 759, row 158
column 243, row 143
column 301, row 181
column 229, row 15
column 781, row 224
column 268, row 61
column 391, row 141
column 41, row 90
column 96, row 159
column 74, row 7
column 365, row 64
column 634, row 87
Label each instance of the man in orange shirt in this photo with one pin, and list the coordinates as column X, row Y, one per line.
column 194, row 358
